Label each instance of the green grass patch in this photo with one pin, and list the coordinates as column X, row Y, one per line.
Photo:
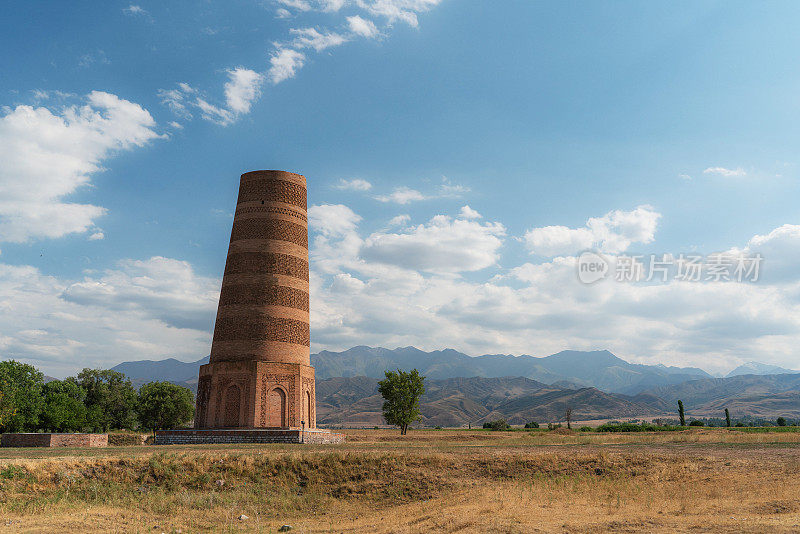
column 633, row 427
column 766, row 429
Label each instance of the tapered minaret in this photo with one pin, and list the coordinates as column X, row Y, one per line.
column 259, row 374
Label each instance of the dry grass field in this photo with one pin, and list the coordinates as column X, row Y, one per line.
column 706, row 480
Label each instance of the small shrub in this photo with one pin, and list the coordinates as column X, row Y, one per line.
column 553, row 426
column 781, row 421
column 696, row 423
column 532, row 424
column 740, row 424
column 586, row 429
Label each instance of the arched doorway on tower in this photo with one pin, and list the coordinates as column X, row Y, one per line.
column 276, row 408
column 307, row 410
column 233, row 402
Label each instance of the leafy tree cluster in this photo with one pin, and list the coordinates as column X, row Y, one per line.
column 93, row 401
column 499, row 424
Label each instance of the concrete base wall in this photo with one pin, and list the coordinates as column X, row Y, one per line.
column 54, row 440
column 194, row 437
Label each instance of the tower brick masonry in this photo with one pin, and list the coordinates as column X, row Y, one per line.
column 259, row 374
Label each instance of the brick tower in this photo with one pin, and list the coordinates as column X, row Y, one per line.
column 259, row 374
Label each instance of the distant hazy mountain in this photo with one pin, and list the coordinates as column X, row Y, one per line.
column 756, row 368
column 567, row 369
column 462, row 389
column 599, row 369
column 753, row 395
column 170, row 370
column 459, row 401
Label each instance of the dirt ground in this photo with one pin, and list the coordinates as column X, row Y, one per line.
column 698, row 480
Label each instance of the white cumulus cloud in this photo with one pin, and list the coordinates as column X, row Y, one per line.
column 400, row 220
column 468, row 213
column 332, row 219
column 47, row 155
column 161, row 288
column 614, row 232
column 142, row 309
column 443, row 245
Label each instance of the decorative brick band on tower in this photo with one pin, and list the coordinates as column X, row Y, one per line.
column 259, row 374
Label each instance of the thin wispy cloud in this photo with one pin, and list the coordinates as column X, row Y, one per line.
column 312, row 38
column 405, row 195
column 362, row 27
column 288, row 56
column 401, row 195
column 241, row 90
column 243, row 87
column 284, row 64
column 722, row 171
column 135, row 10
column 356, row 184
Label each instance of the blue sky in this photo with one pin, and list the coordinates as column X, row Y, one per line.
column 460, row 156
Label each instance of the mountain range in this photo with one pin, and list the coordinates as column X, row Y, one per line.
column 568, row 368
column 355, row 401
column 463, row 389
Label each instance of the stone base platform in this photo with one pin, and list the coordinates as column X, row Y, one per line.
column 248, row 435
column 41, row 439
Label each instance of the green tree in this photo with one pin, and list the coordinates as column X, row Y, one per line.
column 781, row 421
column 681, row 413
column 164, row 405
column 6, row 408
column 500, row 424
column 401, row 391
column 21, row 388
column 64, row 406
column 727, row 418
column 110, row 399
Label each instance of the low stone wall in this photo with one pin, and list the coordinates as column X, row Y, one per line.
column 194, row 437
column 41, row 439
column 127, row 439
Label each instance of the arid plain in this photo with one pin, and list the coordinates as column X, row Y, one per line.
column 697, row 480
